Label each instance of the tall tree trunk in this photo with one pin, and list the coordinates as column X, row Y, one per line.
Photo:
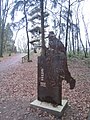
column 79, row 35
column 82, row 45
column 73, row 44
column 2, row 38
column 77, row 44
column 28, row 54
column 70, row 47
column 66, row 41
column 42, row 27
column 77, row 23
column 4, row 18
column 60, row 23
column 87, row 36
column 0, row 33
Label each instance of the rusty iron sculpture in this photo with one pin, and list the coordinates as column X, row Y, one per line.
column 52, row 69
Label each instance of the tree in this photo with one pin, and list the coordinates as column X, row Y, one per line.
column 65, row 19
column 86, row 35
column 24, row 6
column 4, row 9
column 0, row 32
column 68, row 14
column 65, row 25
column 26, row 21
column 42, row 27
column 8, row 42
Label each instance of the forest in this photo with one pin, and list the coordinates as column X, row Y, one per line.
column 63, row 18
column 24, row 27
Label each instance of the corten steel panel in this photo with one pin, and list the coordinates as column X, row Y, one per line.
column 50, row 79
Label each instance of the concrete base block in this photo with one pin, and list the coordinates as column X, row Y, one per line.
column 48, row 107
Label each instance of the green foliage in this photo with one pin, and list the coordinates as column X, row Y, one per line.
column 8, row 43
column 9, row 33
column 70, row 54
column 79, row 55
column 4, row 10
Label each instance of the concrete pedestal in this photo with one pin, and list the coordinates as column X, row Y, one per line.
column 48, row 107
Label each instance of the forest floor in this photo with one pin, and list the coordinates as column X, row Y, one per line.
column 18, row 88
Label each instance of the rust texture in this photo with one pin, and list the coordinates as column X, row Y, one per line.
column 52, row 69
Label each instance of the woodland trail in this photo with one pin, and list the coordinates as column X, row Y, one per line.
column 18, row 88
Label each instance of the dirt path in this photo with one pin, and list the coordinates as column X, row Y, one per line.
column 10, row 62
column 18, row 87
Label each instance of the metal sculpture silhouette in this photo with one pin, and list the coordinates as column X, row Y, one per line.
column 52, row 69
